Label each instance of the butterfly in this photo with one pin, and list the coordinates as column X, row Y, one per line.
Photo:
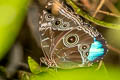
column 66, row 40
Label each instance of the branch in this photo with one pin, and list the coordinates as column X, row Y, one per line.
column 92, row 19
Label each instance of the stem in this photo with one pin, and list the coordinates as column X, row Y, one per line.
column 92, row 19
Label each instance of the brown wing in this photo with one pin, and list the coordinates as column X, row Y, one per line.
column 64, row 38
column 75, row 55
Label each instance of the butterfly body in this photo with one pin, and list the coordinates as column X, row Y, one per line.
column 67, row 41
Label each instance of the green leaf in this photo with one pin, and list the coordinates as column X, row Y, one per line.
column 92, row 19
column 34, row 66
column 85, row 73
column 44, row 73
column 12, row 13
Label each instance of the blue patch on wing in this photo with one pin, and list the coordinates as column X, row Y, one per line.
column 96, row 50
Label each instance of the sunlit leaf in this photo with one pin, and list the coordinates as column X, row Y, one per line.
column 12, row 14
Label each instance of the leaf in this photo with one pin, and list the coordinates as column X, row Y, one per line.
column 85, row 73
column 34, row 66
column 24, row 75
column 42, row 73
column 92, row 19
column 12, row 14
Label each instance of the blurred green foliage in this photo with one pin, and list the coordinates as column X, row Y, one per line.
column 24, row 75
column 112, row 36
column 12, row 14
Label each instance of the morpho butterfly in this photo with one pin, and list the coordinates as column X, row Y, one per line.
column 66, row 40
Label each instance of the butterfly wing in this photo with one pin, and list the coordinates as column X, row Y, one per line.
column 67, row 41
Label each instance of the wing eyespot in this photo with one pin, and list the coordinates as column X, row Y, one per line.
column 83, row 47
column 71, row 40
column 57, row 23
column 49, row 17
